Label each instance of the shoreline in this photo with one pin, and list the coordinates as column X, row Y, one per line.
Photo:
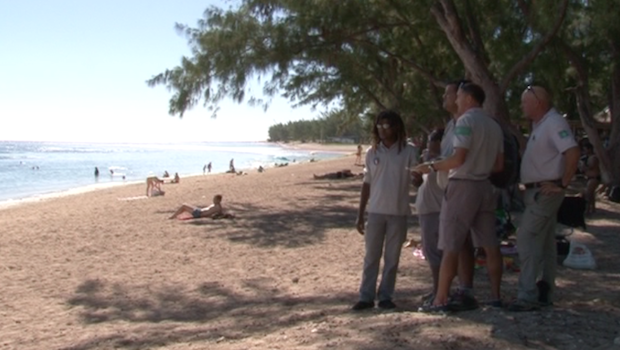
column 64, row 190
column 10, row 203
column 341, row 148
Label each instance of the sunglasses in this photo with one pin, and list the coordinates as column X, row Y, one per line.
column 531, row 89
column 464, row 83
column 385, row 126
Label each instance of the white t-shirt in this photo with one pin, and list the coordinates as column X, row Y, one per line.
column 543, row 159
column 388, row 172
column 484, row 140
column 430, row 195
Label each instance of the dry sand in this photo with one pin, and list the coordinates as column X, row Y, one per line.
column 92, row 271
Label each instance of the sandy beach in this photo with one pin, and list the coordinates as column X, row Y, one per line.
column 323, row 147
column 107, row 270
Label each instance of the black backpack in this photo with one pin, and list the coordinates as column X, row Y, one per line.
column 512, row 163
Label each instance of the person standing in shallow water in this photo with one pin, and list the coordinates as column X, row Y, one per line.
column 96, row 172
column 358, row 155
column 387, row 181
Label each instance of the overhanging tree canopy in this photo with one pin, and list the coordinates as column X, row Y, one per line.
column 359, row 56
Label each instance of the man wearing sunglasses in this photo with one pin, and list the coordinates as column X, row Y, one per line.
column 387, row 182
column 468, row 207
column 549, row 163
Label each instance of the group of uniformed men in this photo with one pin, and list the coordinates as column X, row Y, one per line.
column 458, row 214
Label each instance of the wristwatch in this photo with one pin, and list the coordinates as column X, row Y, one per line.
column 431, row 166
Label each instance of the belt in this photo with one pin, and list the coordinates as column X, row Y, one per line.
column 470, row 180
column 540, row 184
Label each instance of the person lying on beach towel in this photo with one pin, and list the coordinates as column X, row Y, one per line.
column 197, row 212
column 227, row 215
column 346, row 173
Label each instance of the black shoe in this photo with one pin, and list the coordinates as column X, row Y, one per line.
column 434, row 309
column 494, row 303
column 543, row 293
column 461, row 301
column 428, row 299
column 523, row 306
column 363, row 305
column 387, row 304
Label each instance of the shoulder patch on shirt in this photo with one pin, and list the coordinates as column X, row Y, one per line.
column 462, row 130
column 564, row 134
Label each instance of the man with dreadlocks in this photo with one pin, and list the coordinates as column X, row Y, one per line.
column 387, row 180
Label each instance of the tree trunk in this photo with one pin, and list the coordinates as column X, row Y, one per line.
column 585, row 114
column 610, row 172
column 448, row 19
column 613, row 150
column 473, row 58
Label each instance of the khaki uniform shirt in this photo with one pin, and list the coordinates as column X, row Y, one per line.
column 484, row 140
column 543, row 159
column 389, row 174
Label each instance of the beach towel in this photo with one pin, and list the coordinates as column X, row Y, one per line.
column 188, row 216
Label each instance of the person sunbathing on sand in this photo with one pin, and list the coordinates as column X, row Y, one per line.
column 153, row 186
column 346, row 173
column 197, row 212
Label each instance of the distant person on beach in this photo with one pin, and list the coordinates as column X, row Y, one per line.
column 176, row 179
column 358, row 155
column 111, row 172
column 96, row 172
column 153, row 186
column 166, row 174
column 209, row 167
column 231, row 166
column 204, row 169
column 261, row 169
column 197, row 212
column 346, row 173
column 387, row 180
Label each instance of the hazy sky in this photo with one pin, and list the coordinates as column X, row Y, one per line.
column 74, row 70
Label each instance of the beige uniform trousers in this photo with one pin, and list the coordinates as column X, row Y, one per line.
column 536, row 243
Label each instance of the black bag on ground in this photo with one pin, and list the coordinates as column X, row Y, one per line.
column 572, row 212
column 512, row 163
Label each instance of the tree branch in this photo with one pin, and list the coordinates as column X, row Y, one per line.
column 445, row 14
column 413, row 64
column 474, row 33
column 527, row 59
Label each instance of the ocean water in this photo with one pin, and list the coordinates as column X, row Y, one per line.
column 34, row 169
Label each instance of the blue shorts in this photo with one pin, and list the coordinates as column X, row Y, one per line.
column 197, row 213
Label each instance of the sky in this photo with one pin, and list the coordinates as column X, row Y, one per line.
column 74, row 70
